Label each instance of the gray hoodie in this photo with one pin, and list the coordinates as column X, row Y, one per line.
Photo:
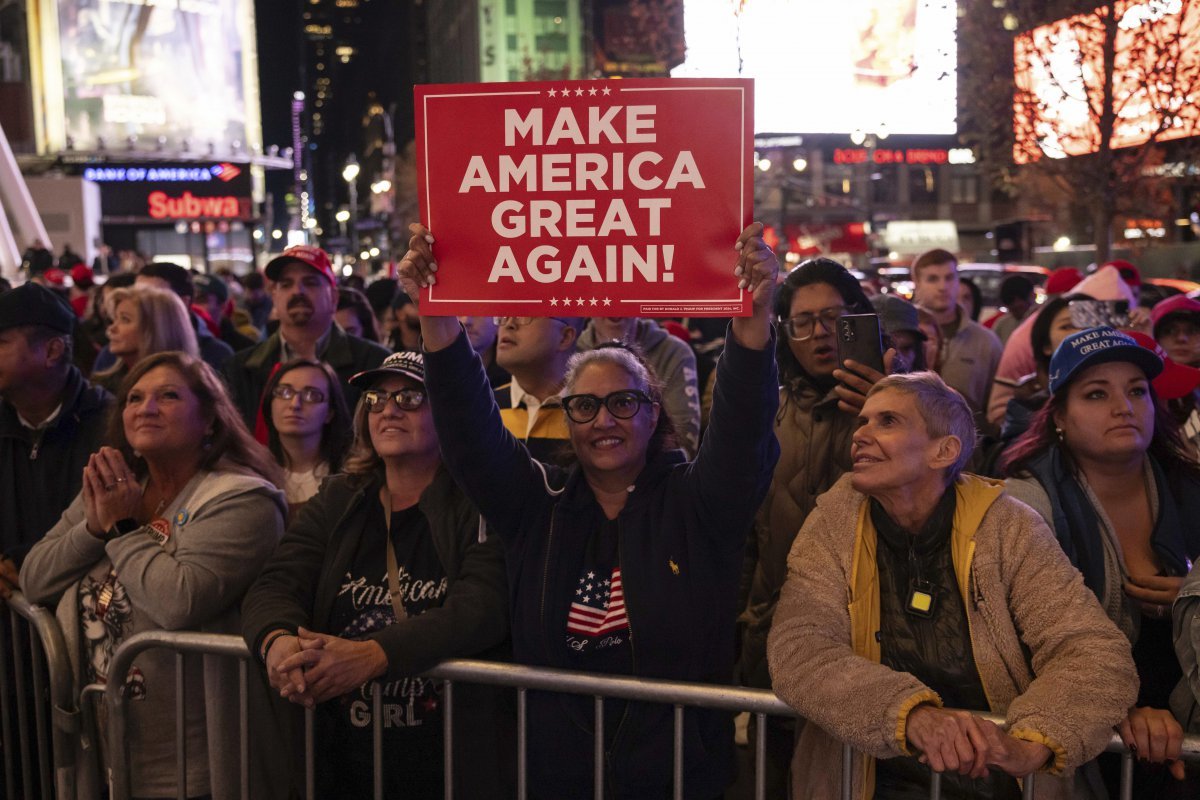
column 221, row 528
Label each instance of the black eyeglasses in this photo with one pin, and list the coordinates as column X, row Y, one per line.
column 308, row 395
column 407, row 399
column 801, row 327
column 521, row 322
column 624, row 404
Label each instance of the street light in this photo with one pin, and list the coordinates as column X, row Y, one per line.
column 350, row 176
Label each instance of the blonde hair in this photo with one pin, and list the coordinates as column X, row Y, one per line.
column 163, row 323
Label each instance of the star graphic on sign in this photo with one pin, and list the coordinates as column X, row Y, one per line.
column 553, row 301
column 607, row 302
column 579, row 92
column 606, row 91
column 586, row 598
column 589, row 587
column 566, row 301
column 566, row 92
column 579, row 302
column 553, row 93
column 429, row 703
column 591, row 575
column 594, row 301
column 592, row 91
column 579, row 591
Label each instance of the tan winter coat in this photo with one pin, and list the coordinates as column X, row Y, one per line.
column 1020, row 592
column 814, row 451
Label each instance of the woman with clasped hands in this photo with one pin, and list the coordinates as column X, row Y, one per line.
column 176, row 518
column 914, row 588
column 631, row 538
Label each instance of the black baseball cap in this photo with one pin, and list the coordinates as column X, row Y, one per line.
column 34, row 304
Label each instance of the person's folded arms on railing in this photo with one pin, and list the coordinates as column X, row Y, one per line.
column 380, row 576
column 913, row 586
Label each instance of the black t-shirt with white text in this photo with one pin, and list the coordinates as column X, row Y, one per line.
column 412, row 711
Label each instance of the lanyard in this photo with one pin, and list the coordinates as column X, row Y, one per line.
column 393, row 569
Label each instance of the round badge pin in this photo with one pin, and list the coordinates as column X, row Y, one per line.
column 182, row 516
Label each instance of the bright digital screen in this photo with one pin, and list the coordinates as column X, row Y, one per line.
column 832, row 67
column 1060, row 80
column 151, row 68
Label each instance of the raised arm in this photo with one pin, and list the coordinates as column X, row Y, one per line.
column 492, row 466
column 739, row 451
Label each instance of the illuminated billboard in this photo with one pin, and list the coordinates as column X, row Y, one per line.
column 178, row 74
column 1059, row 78
column 822, row 67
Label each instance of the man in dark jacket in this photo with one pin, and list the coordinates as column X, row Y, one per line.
column 304, row 289
column 51, row 420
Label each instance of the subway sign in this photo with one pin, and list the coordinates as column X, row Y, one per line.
column 156, row 192
column 164, row 206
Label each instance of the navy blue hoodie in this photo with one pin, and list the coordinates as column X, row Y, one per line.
column 681, row 537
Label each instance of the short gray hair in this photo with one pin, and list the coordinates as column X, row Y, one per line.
column 944, row 411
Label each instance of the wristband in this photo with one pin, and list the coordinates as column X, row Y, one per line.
column 120, row 528
column 270, row 640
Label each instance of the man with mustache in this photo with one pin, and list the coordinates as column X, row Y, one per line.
column 304, row 290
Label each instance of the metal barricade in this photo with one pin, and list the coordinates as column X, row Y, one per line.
column 55, row 720
column 760, row 703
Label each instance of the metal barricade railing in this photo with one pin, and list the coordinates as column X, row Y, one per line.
column 56, row 723
column 760, row 703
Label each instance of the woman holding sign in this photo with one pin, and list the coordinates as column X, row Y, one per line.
column 633, row 537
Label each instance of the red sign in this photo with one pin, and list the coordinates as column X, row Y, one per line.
column 586, row 198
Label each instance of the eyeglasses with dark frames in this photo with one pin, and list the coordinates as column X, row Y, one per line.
column 802, row 327
column 521, row 322
column 624, row 404
column 308, row 395
column 406, row 399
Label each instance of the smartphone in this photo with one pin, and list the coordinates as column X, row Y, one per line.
column 858, row 340
column 1092, row 313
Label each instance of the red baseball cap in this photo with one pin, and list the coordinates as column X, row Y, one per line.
column 1063, row 280
column 1129, row 273
column 1176, row 380
column 1179, row 305
column 307, row 255
column 83, row 276
column 55, row 277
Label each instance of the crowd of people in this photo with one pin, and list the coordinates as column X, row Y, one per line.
column 1000, row 523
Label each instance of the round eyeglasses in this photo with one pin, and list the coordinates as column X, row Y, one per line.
column 308, row 395
column 802, row 327
column 624, row 404
column 407, row 399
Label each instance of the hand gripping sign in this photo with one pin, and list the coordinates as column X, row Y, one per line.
column 586, row 198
